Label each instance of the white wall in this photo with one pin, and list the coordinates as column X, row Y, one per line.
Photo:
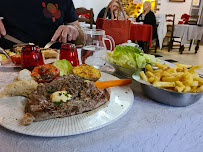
column 177, row 8
column 97, row 5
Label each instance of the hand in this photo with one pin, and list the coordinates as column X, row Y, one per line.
column 65, row 32
column 2, row 29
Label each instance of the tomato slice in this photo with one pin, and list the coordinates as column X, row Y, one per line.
column 16, row 58
column 45, row 73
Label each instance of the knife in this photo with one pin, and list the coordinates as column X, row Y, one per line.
column 12, row 39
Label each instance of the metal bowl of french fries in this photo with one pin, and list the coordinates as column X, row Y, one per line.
column 177, row 85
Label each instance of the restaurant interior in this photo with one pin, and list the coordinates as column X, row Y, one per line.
column 161, row 7
column 117, row 84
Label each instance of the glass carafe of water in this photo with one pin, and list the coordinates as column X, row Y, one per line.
column 94, row 49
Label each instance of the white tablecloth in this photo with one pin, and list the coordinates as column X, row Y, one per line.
column 147, row 127
column 162, row 28
column 188, row 32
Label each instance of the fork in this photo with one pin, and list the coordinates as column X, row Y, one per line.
column 4, row 52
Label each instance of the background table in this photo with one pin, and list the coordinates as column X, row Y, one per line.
column 147, row 127
column 188, row 32
column 141, row 32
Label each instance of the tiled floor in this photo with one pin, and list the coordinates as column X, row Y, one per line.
column 188, row 57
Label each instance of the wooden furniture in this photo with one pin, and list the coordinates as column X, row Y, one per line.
column 170, row 18
column 81, row 17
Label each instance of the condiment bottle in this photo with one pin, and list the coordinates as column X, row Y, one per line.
column 68, row 51
column 31, row 56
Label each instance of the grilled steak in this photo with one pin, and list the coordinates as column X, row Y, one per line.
column 85, row 97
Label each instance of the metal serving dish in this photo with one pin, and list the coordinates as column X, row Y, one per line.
column 168, row 97
column 122, row 70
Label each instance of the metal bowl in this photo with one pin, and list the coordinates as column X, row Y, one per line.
column 123, row 70
column 168, row 97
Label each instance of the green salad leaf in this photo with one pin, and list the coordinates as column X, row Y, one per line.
column 130, row 57
column 64, row 66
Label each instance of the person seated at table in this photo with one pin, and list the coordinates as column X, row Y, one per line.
column 39, row 22
column 114, row 7
column 147, row 17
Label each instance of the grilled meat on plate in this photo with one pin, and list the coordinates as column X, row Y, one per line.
column 65, row 96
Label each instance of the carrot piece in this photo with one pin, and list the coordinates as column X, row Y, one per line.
column 112, row 83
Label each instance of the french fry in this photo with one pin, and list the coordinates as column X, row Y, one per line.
column 183, row 65
column 149, row 68
column 169, row 79
column 164, row 84
column 151, row 79
column 149, row 74
column 200, row 89
column 200, row 80
column 157, row 78
column 195, row 83
column 172, row 70
column 180, row 84
column 143, row 76
column 166, row 74
column 179, row 89
column 159, row 65
column 177, row 78
column 187, row 89
column 191, row 70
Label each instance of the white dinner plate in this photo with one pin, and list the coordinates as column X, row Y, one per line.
column 121, row 100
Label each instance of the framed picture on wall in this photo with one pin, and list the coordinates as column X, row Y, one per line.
column 195, row 2
column 177, row 0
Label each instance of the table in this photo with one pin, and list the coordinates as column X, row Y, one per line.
column 188, row 32
column 148, row 127
column 141, row 32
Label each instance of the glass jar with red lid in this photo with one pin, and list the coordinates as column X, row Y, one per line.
column 31, row 56
column 68, row 51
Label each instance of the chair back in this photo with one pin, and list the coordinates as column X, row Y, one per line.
column 83, row 18
column 193, row 19
column 170, row 19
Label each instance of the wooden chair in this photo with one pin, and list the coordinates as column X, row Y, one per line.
column 81, row 18
column 170, row 18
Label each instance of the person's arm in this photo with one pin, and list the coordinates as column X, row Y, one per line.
column 68, row 32
column 71, row 29
column 2, row 28
column 138, row 18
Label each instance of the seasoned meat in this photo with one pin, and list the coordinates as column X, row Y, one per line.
column 84, row 97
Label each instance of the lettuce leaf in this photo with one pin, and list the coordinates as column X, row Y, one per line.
column 130, row 57
column 64, row 66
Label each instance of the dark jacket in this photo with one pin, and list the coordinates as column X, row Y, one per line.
column 101, row 13
column 149, row 19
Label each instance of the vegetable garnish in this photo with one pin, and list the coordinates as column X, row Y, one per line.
column 130, row 57
column 45, row 73
column 64, row 66
column 112, row 83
